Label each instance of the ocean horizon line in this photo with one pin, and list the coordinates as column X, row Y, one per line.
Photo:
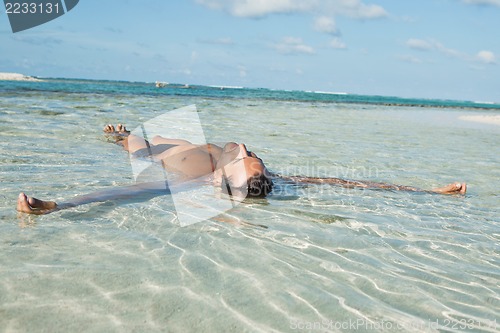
column 275, row 93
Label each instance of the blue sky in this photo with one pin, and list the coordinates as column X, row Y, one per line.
column 446, row 49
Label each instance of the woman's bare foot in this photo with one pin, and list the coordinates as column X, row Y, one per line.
column 35, row 206
column 117, row 134
column 455, row 188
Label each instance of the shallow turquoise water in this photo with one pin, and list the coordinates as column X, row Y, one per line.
column 324, row 259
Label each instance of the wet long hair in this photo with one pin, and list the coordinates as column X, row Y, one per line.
column 258, row 186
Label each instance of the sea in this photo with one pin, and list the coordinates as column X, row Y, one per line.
column 315, row 258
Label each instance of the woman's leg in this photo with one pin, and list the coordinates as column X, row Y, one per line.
column 134, row 143
column 160, row 140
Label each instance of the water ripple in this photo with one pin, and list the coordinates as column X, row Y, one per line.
column 316, row 258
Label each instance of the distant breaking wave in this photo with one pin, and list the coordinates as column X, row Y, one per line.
column 226, row 87
column 27, row 83
column 328, row 92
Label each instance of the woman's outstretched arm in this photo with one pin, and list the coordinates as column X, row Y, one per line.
column 30, row 205
column 454, row 188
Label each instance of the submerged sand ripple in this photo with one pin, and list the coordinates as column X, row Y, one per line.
column 485, row 119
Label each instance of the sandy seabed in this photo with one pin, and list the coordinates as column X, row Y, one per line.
column 485, row 119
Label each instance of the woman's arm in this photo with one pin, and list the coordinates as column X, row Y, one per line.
column 137, row 192
column 454, row 188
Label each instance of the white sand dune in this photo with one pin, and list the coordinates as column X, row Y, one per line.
column 485, row 119
column 16, row 77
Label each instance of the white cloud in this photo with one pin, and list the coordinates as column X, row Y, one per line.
column 419, row 44
column 293, row 45
column 483, row 2
column 261, row 8
column 357, row 9
column 326, row 24
column 433, row 45
column 486, row 57
column 257, row 8
column 449, row 52
column 337, row 43
column 410, row 59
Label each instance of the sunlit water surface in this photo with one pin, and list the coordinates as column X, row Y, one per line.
column 318, row 258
